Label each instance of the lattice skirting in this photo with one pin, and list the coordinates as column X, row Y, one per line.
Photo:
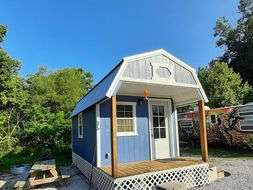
column 191, row 176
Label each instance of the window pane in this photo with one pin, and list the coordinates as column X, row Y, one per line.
column 162, row 121
column 156, row 133
column 125, row 125
column 162, row 133
column 128, row 108
column 120, row 114
column 120, row 108
column 154, row 110
column 155, row 121
column 128, row 114
column 161, row 110
column 120, row 128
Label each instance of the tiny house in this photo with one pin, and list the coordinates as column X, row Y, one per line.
column 125, row 131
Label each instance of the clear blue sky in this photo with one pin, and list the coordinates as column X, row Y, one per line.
column 95, row 35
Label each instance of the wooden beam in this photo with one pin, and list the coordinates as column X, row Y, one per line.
column 203, row 133
column 114, row 146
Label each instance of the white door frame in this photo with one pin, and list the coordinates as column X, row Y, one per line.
column 169, row 123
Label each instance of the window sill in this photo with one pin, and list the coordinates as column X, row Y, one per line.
column 125, row 134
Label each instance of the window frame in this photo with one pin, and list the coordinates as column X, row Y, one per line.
column 134, row 132
column 80, row 117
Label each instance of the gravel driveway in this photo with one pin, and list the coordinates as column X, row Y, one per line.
column 241, row 177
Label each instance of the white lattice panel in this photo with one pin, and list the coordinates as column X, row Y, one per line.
column 191, row 176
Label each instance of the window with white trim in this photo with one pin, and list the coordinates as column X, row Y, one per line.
column 126, row 118
column 80, row 125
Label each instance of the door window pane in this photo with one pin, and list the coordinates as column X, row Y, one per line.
column 155, row 110
column 162, row 122
column 159, row 126
column 155, row 121
column 162, row 133
column 156, row 133
column 161, row 110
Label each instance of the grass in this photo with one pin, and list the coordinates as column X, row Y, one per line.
column 219, row 152
column 22, row 155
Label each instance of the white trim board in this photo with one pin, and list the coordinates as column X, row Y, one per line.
column 98, row 135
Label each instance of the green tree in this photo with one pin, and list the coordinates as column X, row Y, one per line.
column 237, row 41
column 223, row 86
column 3, row 31
column 12, row 97
column 52, row 96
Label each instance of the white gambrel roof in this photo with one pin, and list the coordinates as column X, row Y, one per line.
column 158, row 71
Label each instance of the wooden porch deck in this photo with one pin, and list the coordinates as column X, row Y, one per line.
column 136, row 168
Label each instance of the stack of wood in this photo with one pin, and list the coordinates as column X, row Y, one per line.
column 227, row 131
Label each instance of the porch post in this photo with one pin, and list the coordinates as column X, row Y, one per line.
column 203, row 133
column 114, row 148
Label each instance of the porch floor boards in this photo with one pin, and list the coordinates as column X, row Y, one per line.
column 136, row 168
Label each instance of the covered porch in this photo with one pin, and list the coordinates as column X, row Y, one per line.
column 142, row 167
column 153, row 97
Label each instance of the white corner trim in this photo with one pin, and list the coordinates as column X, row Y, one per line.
column 98, row 135
column 171, row 130
column 150, row 131
column 135, row 132
column 177, row 135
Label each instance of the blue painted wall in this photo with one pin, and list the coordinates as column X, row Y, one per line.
column 85, row 146
column 130, row 148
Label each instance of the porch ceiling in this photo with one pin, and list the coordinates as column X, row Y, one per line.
column 180, row 94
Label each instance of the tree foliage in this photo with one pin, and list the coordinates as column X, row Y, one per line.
column 3, row 31
column 35, row 111
column 12, row 97
column 237, row 41
column 52, row 96
column 223, row 86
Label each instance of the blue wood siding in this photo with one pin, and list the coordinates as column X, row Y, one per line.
column 130, row 148
column 86, row 146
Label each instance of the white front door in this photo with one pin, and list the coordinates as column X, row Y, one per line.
column 159, row 112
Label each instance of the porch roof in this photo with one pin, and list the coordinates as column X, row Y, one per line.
column 159, row 72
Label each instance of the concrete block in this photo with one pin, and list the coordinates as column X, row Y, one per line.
column 171, row 186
